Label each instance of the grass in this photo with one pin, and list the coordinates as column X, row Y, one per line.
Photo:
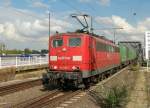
column 115, row 97
column 134, row 67
column 110, row 97
column 115, row 93
column 7, row 74
column 147, row 75
column 35, row 73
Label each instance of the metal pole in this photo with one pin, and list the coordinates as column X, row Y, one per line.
column 91, row 25
column 114, row 36
column 40, row 60
column 49, row 23
column 0, row 62
column 29, row 60
column 16, row 61
column 49, row 34
column 35, row 60
column 147, row 65
column 114, row 31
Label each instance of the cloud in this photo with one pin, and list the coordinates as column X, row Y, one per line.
column 115, row 21
column 9, row 31
column 104, row 20
column 129, row 32
column 24, row 27
column 101, row 2
column 1, row 28
column 39, row 4
column 6, row 3
column 105, row 2
column 84, row 1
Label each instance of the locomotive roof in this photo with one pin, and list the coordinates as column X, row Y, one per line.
column 69, row 34
column 85, row 34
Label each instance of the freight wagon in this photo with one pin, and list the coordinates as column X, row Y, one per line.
column 127, row 53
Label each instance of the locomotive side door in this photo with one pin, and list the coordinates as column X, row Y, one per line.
column 92, row 53
column 62, row 55
column 56, row 53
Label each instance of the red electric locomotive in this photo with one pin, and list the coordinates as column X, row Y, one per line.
column 75, row 59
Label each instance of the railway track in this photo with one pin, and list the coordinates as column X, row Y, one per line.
column 48, row 100
column 4, row 90
column 52, row 98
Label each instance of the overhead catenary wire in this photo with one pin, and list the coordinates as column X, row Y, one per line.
column 95, row 11
column 67, row 3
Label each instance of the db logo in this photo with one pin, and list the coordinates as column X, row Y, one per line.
column 64, row 58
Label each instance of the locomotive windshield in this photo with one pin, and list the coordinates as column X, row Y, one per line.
column 57, row 42
column 73, row 42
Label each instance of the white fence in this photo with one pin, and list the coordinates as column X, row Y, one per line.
column 22, row 61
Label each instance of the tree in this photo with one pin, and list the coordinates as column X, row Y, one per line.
column 2, row 48
column 35, row 52
column 27, row 51
column 44, row 51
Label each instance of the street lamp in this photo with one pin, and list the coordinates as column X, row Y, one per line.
column 114, row 29
column 115, row 33
column 49, row 19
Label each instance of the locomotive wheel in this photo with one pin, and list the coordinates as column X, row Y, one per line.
column 75, row 84
column 103, row 77
column 86, row 83
column 100, row 77
column 61, row 84
column 53, row 83
column 45, row 81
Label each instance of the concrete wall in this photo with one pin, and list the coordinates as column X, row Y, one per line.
column 7, row 74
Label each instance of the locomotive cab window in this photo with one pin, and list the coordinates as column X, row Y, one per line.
column 73, row 42
column 57, row 42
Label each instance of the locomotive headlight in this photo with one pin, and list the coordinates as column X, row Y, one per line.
column 75, row 68
column 77, row 58
column 53, row 58
column 55, row 67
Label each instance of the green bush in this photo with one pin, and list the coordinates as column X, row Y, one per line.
column 110, row 97
column 134, row 67
column 115, row 97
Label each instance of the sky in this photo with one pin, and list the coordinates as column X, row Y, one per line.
column 24, row 23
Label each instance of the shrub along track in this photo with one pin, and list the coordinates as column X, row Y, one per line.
column 112, row 92
column 147, row 75
column 48, row 100
column 11, row 88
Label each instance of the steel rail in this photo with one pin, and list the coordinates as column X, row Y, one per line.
column 11, row 88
